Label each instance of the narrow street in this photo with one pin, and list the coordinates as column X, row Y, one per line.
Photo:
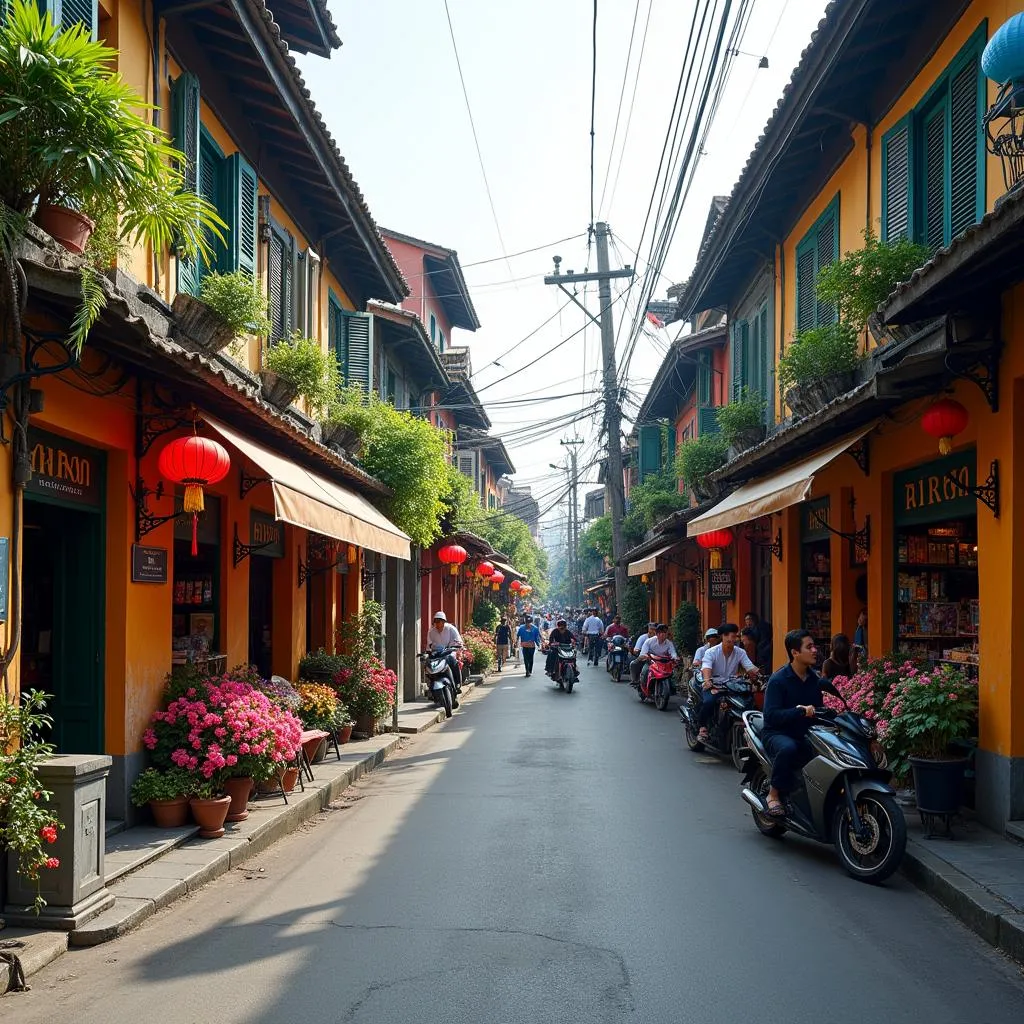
column 542, row 857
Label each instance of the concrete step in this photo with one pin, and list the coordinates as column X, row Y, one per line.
column 128, row 851
column 113, row 826
column 1015, row 831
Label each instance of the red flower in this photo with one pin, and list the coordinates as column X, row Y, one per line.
column 52, row 862
column 49, row 833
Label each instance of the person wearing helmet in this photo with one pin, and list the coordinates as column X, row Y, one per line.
column 443, row 634
column 560, row 636
column 711, row 637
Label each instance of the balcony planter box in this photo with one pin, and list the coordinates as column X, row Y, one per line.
column 201, row 324
column 343, row 436
column 276, row 390
column 745, row 439
column 808, row 398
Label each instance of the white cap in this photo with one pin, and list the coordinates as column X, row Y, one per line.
column 439, row 615
column 710, row 632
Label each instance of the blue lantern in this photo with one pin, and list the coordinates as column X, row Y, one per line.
column 1003, row 59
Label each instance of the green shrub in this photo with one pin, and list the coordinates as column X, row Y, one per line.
column 486, row 615
column 304, row 364
column 819, row 353
column 154, row 784
column 700, row 457
column 319, row 664
column 483, row 656
column 744, row 414
column 237, row 299
column 686, row 627
column 635, row 606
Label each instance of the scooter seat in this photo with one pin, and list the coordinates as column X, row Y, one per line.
column 756, row 722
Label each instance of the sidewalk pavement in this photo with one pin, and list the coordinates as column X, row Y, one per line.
column 977, row 876
column 147, row 868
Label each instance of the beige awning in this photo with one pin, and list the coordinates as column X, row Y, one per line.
column 312, row 502
column 649, row 564
column 771, row 493
column 507, row 570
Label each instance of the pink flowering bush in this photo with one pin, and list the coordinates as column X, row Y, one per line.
column 867, row 689
column 222, row 727
column 27, row 827
column 926, row 711
column 364, row 684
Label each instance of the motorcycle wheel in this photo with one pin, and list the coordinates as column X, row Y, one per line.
column 570, row 682
column 561, row 683
column 766, row 824
column 640, row 693
column 690, row 736
column 737, row 745
column 662, row 695
column 446, row 697
column 875, row 859
column 618, row 671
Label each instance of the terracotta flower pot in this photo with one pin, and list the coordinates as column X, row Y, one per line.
column 367, row 725
column 210, row 815
column 239, row 790
column 315, row 750
column 276, row 390
column 344, row 734
column 69, row 227
column 271, row 786
column 201, row 324
column 170, row 813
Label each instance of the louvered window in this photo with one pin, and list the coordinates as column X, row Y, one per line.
column 241, row 214
column 66, row 13
column 358, row 334
column 704, row 378
column 740, row 361
column 280, row 283
column 933, row 161
column 817, row 249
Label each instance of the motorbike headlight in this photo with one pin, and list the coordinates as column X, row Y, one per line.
column 844, row 757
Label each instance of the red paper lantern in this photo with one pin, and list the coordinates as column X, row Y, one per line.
column 196, row 462
column 453, row 555
column 515, row 586
column 485, row 569
column 497, row 578
column 946, row 418
column 714, row 541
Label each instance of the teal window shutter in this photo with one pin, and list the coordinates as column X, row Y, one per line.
column 336, row 331
column 185, row 132
column 806, row 299
column 279, row 266
column 827, row 252
column 933, row 218
column 707, row 420
column 703, row 378
column 817, row 249
column 650, row 451
column 243, row 216
column 765, row 361
column 433, row 327
column 967, row 152
column 897, row 180
column 358, row 334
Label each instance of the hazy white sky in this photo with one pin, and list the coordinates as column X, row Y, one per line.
column 392, row 99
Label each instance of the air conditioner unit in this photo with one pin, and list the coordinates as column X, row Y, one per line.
column 469, row 465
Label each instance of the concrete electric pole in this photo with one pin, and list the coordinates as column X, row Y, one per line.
column 612, row 409
column 576, row 585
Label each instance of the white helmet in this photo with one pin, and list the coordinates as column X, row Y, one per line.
column 439, row 615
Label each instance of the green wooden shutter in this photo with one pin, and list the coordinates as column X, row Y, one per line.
column 650, row 451
column 739, row 358
column 185, row 130
column 703, row 378
column 764, row 361
column 276, row 257
column 358, row 333
column 934, row 191
column 897, row 175
column 336, row 332
column 806, row 300
column 243, row 216
column 966, row 150
column 827, row 252
column 707, row 421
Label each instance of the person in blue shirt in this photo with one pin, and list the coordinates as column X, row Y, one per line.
column 793, row 693
column 528, row 636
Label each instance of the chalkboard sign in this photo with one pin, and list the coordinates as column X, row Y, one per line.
column 721, row 584
column 149, row 565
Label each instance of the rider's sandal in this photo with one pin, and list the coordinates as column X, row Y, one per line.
column 776, row 809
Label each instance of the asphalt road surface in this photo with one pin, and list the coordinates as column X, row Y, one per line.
column 542, row 857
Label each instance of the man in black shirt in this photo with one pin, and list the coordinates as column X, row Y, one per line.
column 560, row 636
column 792, row 695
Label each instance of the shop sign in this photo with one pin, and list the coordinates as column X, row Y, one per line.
column 266, row 535
column 149, row 565
column 721, row 585
column 815, row 520
column 208, row 526
column 64, row 470
column 933, row 491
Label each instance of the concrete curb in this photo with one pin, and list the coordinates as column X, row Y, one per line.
column 989, row 917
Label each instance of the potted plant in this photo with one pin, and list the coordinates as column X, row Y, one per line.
column 741, row 422
column 698, row 459
column 343, row 731
column 819, row 366
column 27, row 828
column 167, row 793
column 368, row 692
column 348, row 418
column 74, row 135
column 319, row 667
column 298, row 366
column 925, row 713
column 228, row 306
column 318, row 710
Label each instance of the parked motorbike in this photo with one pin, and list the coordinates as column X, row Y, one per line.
column 844, row 796
column 617, row 661
column 439, row 679
column 566, row 671
column 725, row 732
column 656, row 683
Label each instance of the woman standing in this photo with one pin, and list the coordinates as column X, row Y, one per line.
column 840, row 660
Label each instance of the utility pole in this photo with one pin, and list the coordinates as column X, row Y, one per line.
column 612, row 410
column 576, row 596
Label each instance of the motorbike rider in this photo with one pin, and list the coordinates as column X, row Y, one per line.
column 659, row 646
column 593, row 629
column 794, row 691
column 636, row 665
column 711, row 638
column 560, row 636
column 616, row 628
column 719, row 664
column 443, row 634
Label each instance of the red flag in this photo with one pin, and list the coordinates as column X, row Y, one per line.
column 654, row 320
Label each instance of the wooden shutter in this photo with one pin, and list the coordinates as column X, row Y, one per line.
column 703, row 378
column 358, row 349
column 650, row 451
column 827, row 252
column 897, row 221
column 242, row 214
column 185, row 132
column 336, row 332
column 739, row 357
column 966, row 151
column 934, row 191
column 275, row 287
column 806, row 300
column 765, row 360
column 67, row 13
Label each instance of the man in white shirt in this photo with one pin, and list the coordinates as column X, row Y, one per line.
column 721, row 663
column 659, row 646
column 443, row 634
column 636, row 665
column 711, row 639
column 593, row 630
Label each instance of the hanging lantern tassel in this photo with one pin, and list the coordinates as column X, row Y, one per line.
column 194, row 503
column 716, row 558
